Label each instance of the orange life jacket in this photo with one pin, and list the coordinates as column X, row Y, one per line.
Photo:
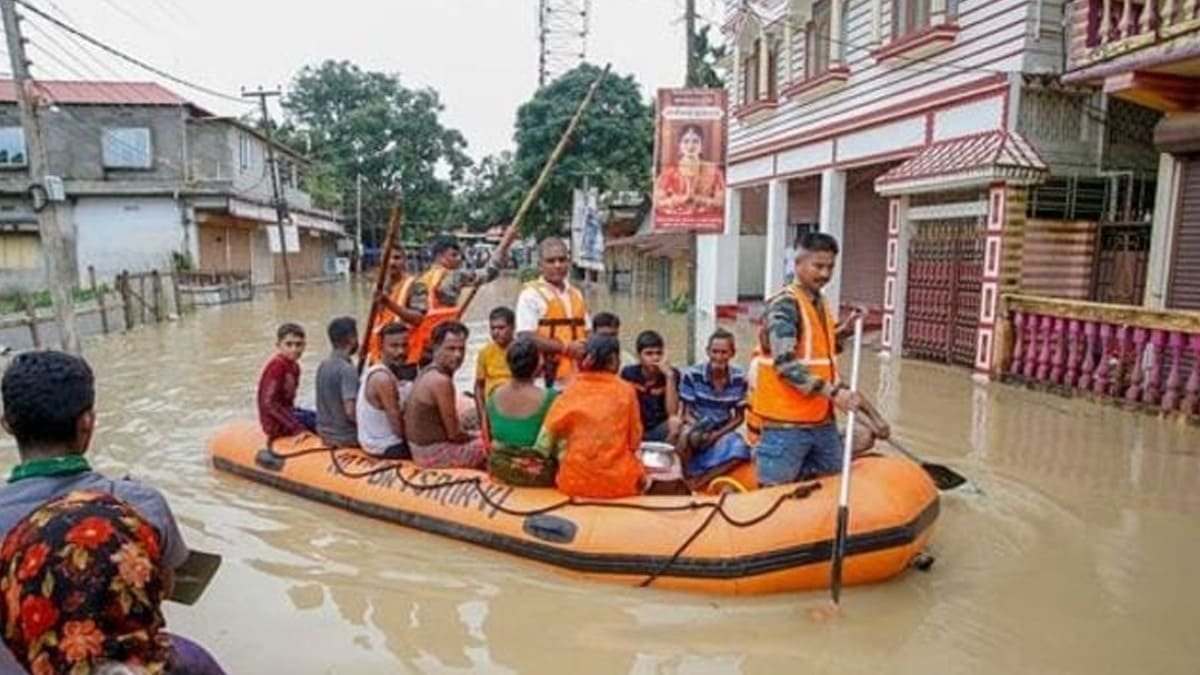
column 560, row 324
column 399, row 295
column 773, row 399
column 436, row 314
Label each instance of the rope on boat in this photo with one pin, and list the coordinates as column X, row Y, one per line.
column 717, row 508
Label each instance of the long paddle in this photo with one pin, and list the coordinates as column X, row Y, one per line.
column 942, row 476
column 514, row 228
column 381, row 276
column 843, row 514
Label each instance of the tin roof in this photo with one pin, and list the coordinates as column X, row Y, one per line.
column 962, row 162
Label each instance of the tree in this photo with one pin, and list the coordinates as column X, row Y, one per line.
column 368, row 123
column 708, row 55
column 492, row 193
column 613, row 143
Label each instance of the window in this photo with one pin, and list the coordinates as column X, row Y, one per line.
column 12, row 147
column 127, row 148
column 911, row 16
column 817, row 42
column 286, row 173
column 754, row 88
column 245, row 150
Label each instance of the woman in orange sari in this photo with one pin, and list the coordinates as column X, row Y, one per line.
column 595, row 428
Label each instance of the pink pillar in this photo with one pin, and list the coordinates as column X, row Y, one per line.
column 1153, row 386
column 1121, row 367
column 1047, row 329
column 1058, row 358
column 1073, row 330
column 1192, row 388
column 1137, row 375
column 1018, row 322
column 1033, row 327
column 1102, row 370
column 1170, row 398
column 1089, row 356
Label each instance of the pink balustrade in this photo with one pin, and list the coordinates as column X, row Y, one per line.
column 1111, row 22
column 1146, row 358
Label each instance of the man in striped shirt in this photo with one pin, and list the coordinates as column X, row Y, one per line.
column 714, row 402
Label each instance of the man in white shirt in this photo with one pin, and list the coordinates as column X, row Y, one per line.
column 553, row 314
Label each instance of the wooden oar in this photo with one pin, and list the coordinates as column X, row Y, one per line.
column 843, row 514
column 385, row 260
column 942, row 476
column 514, row 228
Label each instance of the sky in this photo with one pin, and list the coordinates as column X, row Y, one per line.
column 480, row 55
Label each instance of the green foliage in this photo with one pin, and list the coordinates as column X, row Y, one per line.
column 369, row 123
column 529, row 273
column 181, row 261
column 677, row 305
column 14, row 301
column 492, row 193
column 614, row 142
column 707, row 57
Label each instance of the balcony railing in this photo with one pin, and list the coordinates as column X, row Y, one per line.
column 1131, row 355
column 1118, row 26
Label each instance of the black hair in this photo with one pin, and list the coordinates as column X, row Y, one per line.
column 448, row 328
column 523, row 358
column 503, row 314
column 341, row 330
column 649, row 339
column 393, row 328
column 695, row 129
column 817, row 242
column 44, row 394
column 443, row 243
column 287, row 329
column 600, row 350
column 606, row 320
column 721, row 334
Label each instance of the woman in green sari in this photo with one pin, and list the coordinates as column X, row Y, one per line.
column 515, row 411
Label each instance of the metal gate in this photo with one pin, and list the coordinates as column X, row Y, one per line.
column 1119, row 272
column 945, row 265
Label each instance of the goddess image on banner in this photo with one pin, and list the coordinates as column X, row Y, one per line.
column 689, row 161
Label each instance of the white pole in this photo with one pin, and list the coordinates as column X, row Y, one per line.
column 843, row 516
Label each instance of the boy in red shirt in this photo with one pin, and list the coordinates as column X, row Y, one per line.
column 277, row 411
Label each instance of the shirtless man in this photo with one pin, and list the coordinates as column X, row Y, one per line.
column 435, row 437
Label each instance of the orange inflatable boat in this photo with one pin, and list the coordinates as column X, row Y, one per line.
column 762, row 541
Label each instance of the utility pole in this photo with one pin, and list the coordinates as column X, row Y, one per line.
column 279, row 201
column 46, row 190
column 358, row 224
column 689, row 80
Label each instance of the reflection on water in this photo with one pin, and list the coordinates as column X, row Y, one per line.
column 1078, row 557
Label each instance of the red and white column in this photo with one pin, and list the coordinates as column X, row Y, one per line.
column 895, row 279
column 989, row 291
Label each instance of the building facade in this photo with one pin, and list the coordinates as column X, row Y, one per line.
column 152, row 180
column 934, row 139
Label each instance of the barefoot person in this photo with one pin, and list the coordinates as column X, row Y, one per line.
column 552, row 313
column 435, row 436
column 380, row 404
column 794, row 385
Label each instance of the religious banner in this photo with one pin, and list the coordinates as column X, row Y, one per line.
column 587, row 232
column 689, row 161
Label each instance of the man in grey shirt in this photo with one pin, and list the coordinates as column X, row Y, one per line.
column 49, row 400
column 337, row 386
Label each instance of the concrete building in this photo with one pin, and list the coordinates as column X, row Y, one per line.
column 151, row 178
column 936, row 141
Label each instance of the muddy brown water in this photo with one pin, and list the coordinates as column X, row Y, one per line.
column 1078, row 557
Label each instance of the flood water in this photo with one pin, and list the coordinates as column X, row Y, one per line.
column 1078, row 556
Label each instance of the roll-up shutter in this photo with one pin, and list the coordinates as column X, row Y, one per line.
column 1183, row 291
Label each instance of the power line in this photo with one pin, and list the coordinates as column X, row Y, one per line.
column 126, row 57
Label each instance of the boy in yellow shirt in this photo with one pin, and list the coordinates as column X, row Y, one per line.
column 491, row 366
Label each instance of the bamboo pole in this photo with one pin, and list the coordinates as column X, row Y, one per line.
column 156, row 288
column 514, row 228
column 99, row 299
column 395, row 223
column 31, row 319
column 126, row 300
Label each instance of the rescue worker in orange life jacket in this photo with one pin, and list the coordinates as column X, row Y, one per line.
column 393, row 304
column 794, row 384
column 552, row 313
column 435, row 294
